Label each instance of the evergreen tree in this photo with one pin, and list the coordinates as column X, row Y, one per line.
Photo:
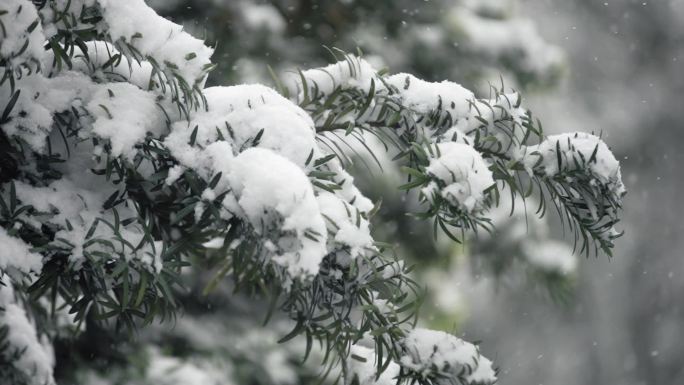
column 134, row 197
column 466, row 41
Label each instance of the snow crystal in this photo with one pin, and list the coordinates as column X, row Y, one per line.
column 461, row 176
column 214, row 243
column 175, row 172
column 53, row 18
column 62, row 201
column 284, row 132
column 268, row 184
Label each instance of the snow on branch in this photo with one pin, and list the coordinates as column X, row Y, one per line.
column 124, row 172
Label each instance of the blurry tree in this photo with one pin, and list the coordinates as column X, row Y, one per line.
column 462, row 40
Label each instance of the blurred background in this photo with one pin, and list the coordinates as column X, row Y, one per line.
column 612, row 67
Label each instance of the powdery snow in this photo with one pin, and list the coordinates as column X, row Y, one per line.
column 124, row 114
column 513, row 38
column 98, row 54
column 40, row 98
column 433, row 352
column 152, row 35
column 423, row 97
column 578, row 150
column 362, row 364
column 271, row 189
column 15, row 254
column 461, row 176
column 345, row 224
column 63, row 200
column 37, row 359
column 353, row 72
column 18, row 45
column 236, row 115
column 261, row 144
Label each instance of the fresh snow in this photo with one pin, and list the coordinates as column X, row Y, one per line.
column 265, row 148
column 18, row 45
column 271, row 189
column 460, row 175
column 577, row 151
column 352, row 73
column 37, row 360
column 437, row 352
column 422, row 96
column 345, row 223
column 362, row 364
column 124, row 114
column 15, row 254
column 137, row 24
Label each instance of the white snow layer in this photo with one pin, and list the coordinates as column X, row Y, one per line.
column 353, row 72
column 124, row 114
column 40, row 98
column 461, row 176
column 37, row 356
column 577, row 151
column 154, row 36
column 422, row 96
column 271, row 189
column 64, row 200
column 15, row 254
column 22, row 34
column 428, row 351
column 362, row 364
column 238, row 114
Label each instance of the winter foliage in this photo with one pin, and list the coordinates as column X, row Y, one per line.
column 123, row 176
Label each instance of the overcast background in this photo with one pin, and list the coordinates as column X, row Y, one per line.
column 625, row 80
